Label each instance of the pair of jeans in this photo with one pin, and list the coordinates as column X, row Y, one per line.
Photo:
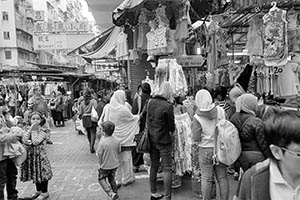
column 105, row 175
column 91, row 134
column 250, row 158
column 125, row 174
column 42, row 187
column 8, row 177
column 163, row 151
column 208, row 170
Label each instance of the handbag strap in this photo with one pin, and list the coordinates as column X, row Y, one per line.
column 147, row 116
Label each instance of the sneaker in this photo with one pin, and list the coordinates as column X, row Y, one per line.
column 128, row 183
column 114, row 196
column 36, row 195
column 43, row 196
column 49, row 142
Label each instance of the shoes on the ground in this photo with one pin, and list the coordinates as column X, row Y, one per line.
column 236, row 176
column 128, row 183
column 43, row 196
column 136, row 169
column 119, row 185
column 92, row 150
column 176, row 186
column 115, row 196
column 158, row 197
column 230, row 171
column 49, row 142
column 36, row 195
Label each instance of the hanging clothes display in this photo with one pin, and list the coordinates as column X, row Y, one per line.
column 216, row 47
column 255, row 37
column 293, row 31
column 288, row 81
column 143, row 29
column 183, row 21
column 160, row 39
column 183, row 144
column 275, row 37
column 177, row 78
column 122, row 46
column 169, row 70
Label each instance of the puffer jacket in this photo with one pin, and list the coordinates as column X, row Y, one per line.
column 251, row 132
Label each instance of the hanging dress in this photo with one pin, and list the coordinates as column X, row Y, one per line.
column 275, row 37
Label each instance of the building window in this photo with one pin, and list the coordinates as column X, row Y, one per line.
column 7, row 55
column 6, row 35
column 5, row 16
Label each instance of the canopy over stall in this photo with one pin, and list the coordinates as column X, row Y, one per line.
column 128, row 11
column 107, row 49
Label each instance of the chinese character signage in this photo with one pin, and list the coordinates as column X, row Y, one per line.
column 60, row 27
column 49, row 42
column 39, row 15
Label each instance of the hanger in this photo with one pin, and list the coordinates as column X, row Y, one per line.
column 274, row 6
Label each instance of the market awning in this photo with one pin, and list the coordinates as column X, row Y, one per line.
column 107, row 49
column 128, row 11
column 47, row 66
column 92, row 44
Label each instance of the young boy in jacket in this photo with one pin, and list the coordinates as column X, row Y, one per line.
column 108, row 155
column 278, row 177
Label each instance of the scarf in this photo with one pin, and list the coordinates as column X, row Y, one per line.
column 126, row 124
column 204, row 101
column 247, row 103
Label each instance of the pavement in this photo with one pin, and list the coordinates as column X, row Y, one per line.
column 75, row 173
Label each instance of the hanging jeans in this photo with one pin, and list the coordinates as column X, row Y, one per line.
column 208, row 170
column 8, row 177
column 125, row 173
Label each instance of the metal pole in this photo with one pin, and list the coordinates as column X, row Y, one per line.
column 128, row 73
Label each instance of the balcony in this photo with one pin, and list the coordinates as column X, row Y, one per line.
column 25, row 45
column 24, row 24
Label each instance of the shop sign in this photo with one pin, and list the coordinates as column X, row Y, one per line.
column 39, row 15
column 61, row 27
column 50, row 41
column 191, row 61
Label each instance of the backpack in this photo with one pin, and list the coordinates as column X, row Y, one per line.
column 227, row 148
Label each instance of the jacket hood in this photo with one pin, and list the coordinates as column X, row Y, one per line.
column 209, row 114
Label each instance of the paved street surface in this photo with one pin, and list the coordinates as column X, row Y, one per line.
column 75, row 173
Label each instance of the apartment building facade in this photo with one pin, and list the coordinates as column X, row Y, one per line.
column 16, row 34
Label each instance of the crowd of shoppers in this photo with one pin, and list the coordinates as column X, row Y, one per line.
column 269, row 138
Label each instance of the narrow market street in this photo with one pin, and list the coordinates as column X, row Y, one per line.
column 75, row 173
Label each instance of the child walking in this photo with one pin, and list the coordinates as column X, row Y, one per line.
column 108, row 155
column 37, row 167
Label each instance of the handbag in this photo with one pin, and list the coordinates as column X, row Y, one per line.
column 94, row 115
column 144, row 145
column 87, row 121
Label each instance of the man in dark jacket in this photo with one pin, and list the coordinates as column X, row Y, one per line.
column 278, row 177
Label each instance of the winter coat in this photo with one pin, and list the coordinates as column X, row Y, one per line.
column 161, row 122
column 251, row 132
